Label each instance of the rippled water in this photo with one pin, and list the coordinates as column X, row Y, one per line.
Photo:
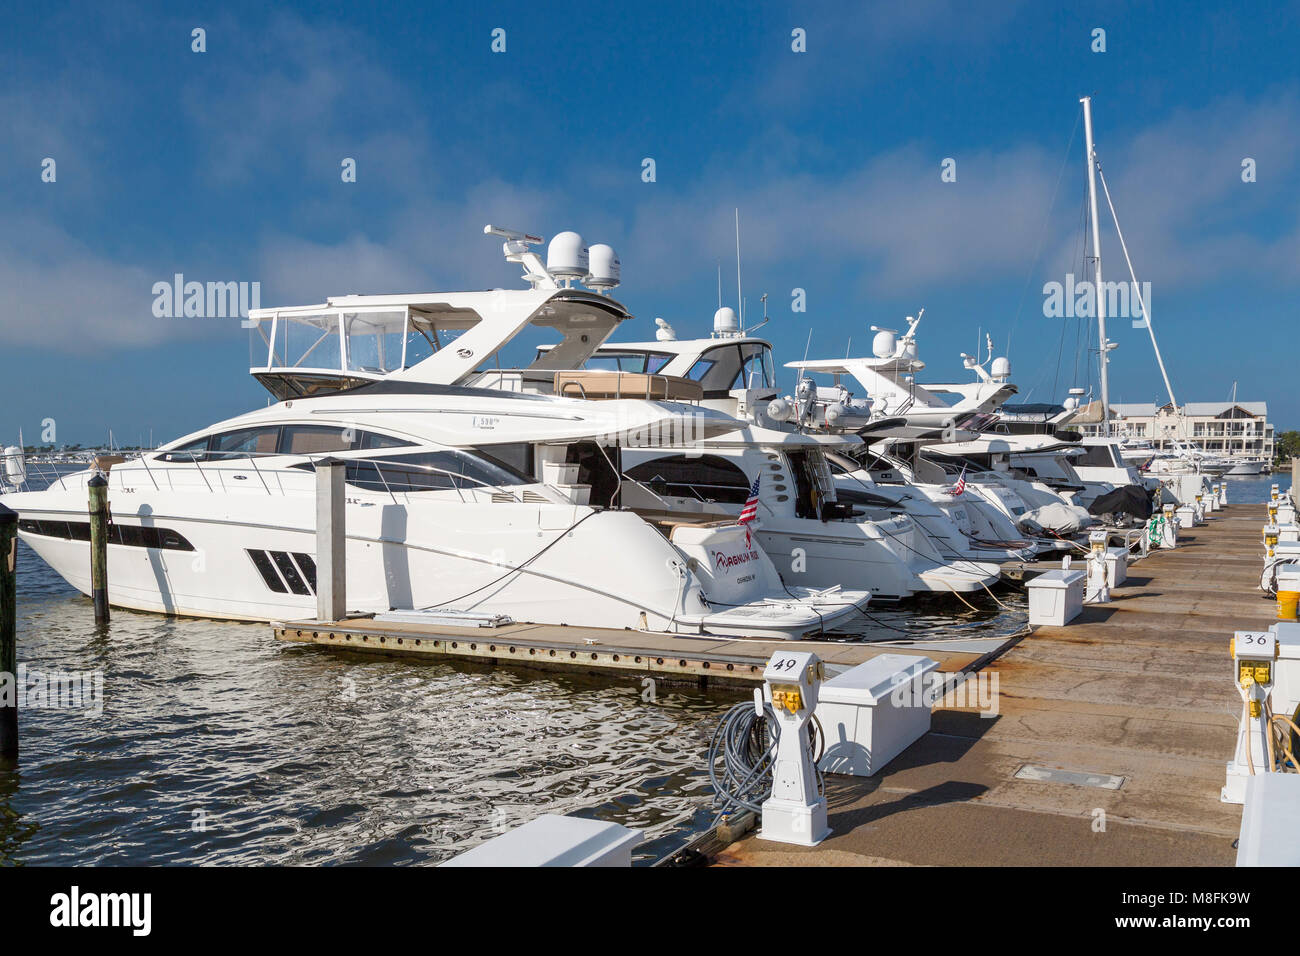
column 217, row 744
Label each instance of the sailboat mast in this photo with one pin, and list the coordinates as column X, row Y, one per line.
column 1099, row 298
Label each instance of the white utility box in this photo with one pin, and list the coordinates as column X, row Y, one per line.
column 1056, row 597
column 1270, row 821
column 1116, row 567
column 578, row 494
column 1286, row 680
column 1290, row 533
column 1287, row 551
column 560, row 473
column 873, row 712
column 553, row 840
column 1187, row 516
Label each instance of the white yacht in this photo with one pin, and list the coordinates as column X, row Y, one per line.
column 445, row 506
column 818, row 530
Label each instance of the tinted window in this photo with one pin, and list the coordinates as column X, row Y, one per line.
column 1096, row 456
column 429, row 471
column 516, row 457
column 192, row 451
column 313, row 439
column 245, row 441
column 319, row 439
column 700, row 369
column 708, row 478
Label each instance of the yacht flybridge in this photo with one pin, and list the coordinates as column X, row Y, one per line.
column 472, row 487
column 888, row 376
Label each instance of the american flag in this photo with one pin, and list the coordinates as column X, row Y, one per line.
column 958, row 488
column 750, row 511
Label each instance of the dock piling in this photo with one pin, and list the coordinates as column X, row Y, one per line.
column 98, row 487
column 331, row 541
column 8, row 634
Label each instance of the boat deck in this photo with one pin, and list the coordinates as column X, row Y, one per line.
column 1140, row 688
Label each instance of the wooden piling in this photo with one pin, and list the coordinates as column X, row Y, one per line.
column 98, row 486
column 8, row 634
column 331, row 541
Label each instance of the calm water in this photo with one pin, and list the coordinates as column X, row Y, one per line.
column 216, row 744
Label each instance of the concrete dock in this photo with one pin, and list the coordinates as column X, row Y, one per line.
column 1141, row 688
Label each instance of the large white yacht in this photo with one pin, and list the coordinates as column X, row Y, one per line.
column 817, row 529
column 495, row 500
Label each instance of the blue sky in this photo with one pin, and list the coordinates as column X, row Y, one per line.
column 224, row 166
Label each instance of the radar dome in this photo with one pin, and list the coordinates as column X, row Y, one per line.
column 604, row 267
column 567, row 257
column 884, row 344
column 725, row 321
column 1001, row 367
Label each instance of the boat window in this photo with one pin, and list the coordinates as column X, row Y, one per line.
column 313, row 439
column 725, row 367
column 318, row 439
column 642, row 362
column 307, row 341
column 376, row 440
column 705, row 477
column 429, row 471
column 245, row 441
column 516, row 457
column 189, row 452
column 1097, row 456
column 700, row 369
column 374, row 340
column 756, row 367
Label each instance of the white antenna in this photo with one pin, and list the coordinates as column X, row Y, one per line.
column 739, row 301
column 719, row 284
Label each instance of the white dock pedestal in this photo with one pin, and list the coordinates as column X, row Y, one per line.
column 1286, row 678
column 553, row 840
column 1056, row 597
column 1270, row 821
column 873, row 712
column 1116, row 567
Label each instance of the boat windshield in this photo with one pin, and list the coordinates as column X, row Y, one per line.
column 733, row 366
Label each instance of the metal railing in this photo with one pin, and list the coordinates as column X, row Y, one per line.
column 237, row 464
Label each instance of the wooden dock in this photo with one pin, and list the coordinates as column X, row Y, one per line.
column 1141, row 688
column 670, row 658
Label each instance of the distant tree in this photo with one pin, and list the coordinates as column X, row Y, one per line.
column 1288, row 445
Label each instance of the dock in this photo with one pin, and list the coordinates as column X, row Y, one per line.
column 1109, row 745
column 675, row 659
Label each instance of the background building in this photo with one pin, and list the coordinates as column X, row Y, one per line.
column 1228, row 428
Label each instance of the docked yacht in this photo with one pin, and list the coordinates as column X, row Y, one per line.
column 818, row 530
column 471, row 487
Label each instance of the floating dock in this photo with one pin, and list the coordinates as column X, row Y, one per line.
column 1109, row 746
column 697, row 661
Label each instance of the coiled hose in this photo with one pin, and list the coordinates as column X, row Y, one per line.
column 742, row 753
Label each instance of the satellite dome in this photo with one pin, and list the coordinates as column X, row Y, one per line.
column 567, row 257
column 1001, row 367
column 884, row 344
column 603, row 266
column 725, row 321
